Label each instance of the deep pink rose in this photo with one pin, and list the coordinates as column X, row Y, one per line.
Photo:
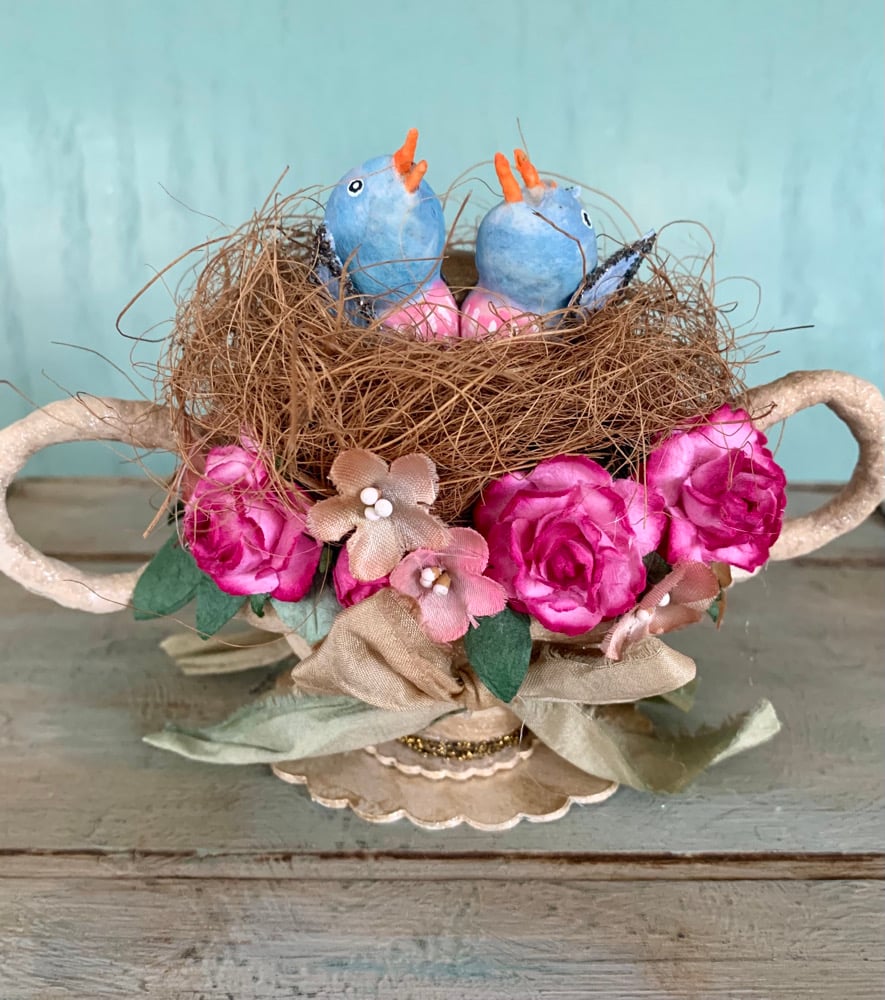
column 567, row 541
column 724, row 492
column 348, row 589
column 249, row 538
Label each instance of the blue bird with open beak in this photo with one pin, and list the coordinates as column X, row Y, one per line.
column 384, row 232
column 537, row 254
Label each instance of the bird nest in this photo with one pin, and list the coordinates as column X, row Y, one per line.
column 258, row 352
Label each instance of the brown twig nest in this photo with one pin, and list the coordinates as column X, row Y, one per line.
column 258, row 351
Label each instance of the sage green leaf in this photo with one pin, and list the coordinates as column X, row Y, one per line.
column 656, row 762
column 257, row 602
column 326, row 560
column 312, row 616
column 499, row 650
column 214, row 607
column 168, row 582
column 291, row 727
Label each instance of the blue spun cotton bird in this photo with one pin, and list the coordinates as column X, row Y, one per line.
column 534, row 252
column 384, row 226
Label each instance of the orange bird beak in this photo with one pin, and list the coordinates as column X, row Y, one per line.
column 404, row 162
column 525, row 166
column 530, row 175
column 509, row 184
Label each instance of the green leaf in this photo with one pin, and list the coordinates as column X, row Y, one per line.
column 168, row 582
column 214, row 607
column 649, row 761
column 499, row 650
column 716, row 608
column 326, row 560
column 312, row 616
column 291, row 727
column 257, row 602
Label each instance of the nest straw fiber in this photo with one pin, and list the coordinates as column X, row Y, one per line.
column 258, row 349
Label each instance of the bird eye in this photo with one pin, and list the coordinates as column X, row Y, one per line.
column 355, row 186
column 585, row 218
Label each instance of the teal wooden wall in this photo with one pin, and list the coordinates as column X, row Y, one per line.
column 762, row 119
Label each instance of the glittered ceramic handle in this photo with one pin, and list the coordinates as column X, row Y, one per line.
column 89, row 419
column 861, row 406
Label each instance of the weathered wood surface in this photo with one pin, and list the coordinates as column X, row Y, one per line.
column 127, row 871
column 479, row 939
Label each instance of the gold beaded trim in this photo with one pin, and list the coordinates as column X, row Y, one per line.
column 461, row 749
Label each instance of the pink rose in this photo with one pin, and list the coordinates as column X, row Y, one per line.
column 567, row 541
column 724, row 492
column 246, row 536
column 348, row 589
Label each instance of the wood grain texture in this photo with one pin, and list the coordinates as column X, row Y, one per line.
column 102, row 517
column 478, row 938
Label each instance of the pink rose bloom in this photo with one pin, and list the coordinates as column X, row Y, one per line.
column 567, row 541
column 243, row 534
column 348, row 589
column 449, row 585
column 724, row 492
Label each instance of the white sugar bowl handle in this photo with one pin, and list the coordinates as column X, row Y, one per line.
column 861, row 406
column 133, row 422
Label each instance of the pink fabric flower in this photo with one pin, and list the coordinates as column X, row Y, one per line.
column 246, row 536
column 724, row 492
column 567, row 541
column 449, row 586
column 680, row 599
column 348, row 589
column 388, row 507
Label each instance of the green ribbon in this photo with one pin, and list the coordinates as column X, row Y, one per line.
column 609, row 746
column 291, row 727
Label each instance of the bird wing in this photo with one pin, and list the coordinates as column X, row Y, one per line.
column 328, row 271
column 615, row 272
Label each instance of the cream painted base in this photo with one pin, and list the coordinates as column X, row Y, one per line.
column 537, row 786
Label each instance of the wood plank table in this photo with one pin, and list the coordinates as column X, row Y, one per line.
column 126, row 871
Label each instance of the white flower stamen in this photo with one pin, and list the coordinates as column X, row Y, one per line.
column 383, row 507
column 435, row 578
column 370, row 496
column 371, row 514
column 664, row 601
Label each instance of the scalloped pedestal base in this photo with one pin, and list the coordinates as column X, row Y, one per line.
column 535, row 785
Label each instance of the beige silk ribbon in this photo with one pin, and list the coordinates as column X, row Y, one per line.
column 377, row 652
column 646, row 669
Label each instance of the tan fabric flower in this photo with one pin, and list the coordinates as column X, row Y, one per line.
column 388, row 507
